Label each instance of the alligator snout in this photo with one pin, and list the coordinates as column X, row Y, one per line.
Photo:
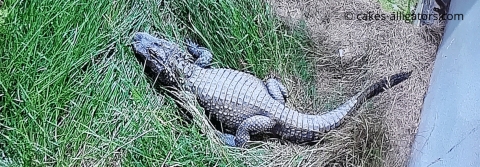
column 141, row 42
column 139, row 45
column 143, row 37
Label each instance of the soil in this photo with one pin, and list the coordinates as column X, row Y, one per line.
column 349, row 55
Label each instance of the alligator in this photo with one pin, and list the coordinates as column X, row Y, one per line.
column 241, row 102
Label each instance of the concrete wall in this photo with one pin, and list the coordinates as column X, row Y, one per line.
column 449, row 131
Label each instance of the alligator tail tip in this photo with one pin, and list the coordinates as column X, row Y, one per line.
column 399, row 77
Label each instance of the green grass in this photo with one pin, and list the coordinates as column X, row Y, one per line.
column 3, row 14
column 72, row 93
column 403, row 6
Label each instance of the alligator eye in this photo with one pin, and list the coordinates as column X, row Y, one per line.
column 157, row 44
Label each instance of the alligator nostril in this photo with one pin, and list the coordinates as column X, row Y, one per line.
column 137, row 37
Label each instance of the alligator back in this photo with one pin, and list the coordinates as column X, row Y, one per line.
column 231, row 97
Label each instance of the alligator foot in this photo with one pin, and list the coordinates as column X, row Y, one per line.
column 202, row 55
column 227, row 139
column 276, row 89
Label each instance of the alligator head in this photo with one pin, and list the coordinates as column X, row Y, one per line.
column 158, row 57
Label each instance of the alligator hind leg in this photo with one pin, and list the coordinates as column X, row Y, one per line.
column 202, row 55
column 277, row 90
column 251, row 126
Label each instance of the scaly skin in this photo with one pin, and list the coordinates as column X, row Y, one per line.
column 240, row 101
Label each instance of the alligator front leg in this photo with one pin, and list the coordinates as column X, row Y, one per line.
column 277, row 90
column 202, row 55
column 251, row 126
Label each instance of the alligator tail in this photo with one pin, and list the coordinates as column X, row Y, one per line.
column 383, row 85
column 335, row 117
